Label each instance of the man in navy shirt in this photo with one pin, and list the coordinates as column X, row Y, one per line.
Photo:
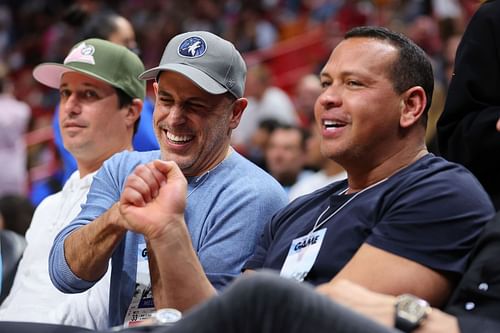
column 404, row 221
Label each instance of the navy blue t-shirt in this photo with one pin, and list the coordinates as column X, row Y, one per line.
column 430, row 212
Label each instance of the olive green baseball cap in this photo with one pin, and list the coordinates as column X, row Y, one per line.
column 100, row 59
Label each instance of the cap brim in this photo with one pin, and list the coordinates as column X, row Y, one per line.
column 50, row 74
column 200, row 78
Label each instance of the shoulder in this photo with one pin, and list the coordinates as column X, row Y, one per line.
column 245, row 183
column 243, row 172
column 435, row 186
column 432, row 171
column 128, row 160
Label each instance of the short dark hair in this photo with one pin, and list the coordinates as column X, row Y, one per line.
column 125, row 99
column 304, row 133
column 411, row 68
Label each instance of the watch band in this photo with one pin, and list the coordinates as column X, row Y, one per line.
column 405, row 325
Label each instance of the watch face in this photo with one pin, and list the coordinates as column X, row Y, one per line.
column 164, row 316
column 412, row 308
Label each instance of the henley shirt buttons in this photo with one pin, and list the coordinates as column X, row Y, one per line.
column 469, row 306
column 483, row 286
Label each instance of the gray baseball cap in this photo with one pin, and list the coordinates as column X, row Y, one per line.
column 209, row 61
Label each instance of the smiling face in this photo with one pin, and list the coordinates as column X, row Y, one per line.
column 358, row 110
column 193, row 127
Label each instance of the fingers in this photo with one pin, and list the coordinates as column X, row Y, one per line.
column 498, row 125
column 170, row 169
column 143, row 185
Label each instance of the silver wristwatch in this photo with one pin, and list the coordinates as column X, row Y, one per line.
column 166, row 316
column 410, row 312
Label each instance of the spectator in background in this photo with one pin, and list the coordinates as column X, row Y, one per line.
column 256, row 149
column 285, row 155
column 327, row 170
column 307, row 91
column 468, row 127
column 100, row 104
column 265, row 101
column 253, row 30
column 14, row 119
column 17, row 211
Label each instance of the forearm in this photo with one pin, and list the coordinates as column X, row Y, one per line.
column 88, row 249
column 382, row 308
column 178, row 279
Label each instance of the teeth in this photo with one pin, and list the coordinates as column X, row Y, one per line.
column 176, row 138
column 331, row 123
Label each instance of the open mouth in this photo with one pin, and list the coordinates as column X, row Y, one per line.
column 331, row 124
column 179, row 139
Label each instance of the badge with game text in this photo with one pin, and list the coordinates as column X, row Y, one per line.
column 142, row 306
column 302, row 255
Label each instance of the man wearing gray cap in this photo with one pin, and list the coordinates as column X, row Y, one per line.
column 199, row 101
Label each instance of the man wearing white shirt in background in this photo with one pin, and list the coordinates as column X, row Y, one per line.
column 328, row 170
column 100, row 104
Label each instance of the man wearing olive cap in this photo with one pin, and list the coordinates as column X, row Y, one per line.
column 100, row 104
column 199, row 101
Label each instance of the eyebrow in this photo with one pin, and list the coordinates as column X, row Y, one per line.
column 85, row 84
column 163, row 93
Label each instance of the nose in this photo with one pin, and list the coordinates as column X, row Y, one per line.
column 330, row 98
column 71, row 105
column 176, row 115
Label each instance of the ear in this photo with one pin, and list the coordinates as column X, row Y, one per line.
column 413, row 106
column 238, row 107
column 155, row 88
column 133, row 112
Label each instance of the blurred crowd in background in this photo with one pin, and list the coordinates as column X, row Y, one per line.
column 285, row 44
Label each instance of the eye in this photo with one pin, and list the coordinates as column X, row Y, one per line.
column 325, row 84
column 195, row 106
column 166, row 101
column 89, row 94
column 353, row 83
column 64, row 93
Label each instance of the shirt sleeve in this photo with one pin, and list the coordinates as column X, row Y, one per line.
column 103, row 193
column 433, row 222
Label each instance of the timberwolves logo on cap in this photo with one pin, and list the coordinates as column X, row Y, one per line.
column 192, row 47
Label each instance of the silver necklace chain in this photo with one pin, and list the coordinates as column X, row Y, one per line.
column 317, row 224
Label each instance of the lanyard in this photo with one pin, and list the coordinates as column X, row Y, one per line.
column 317, row 224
